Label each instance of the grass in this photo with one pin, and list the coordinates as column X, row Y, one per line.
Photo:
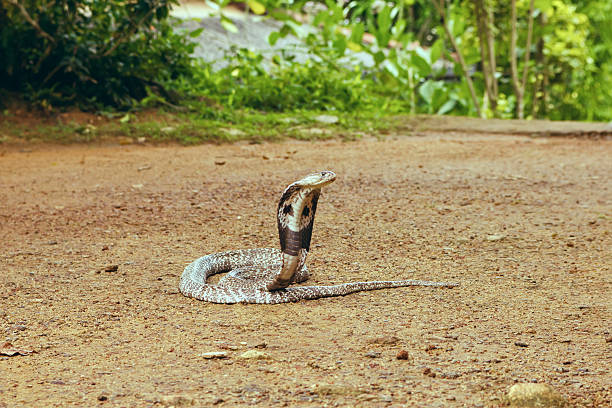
column 162, row 126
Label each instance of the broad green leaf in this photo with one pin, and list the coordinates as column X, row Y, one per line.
column 213, row 5
column 383, row 33
column 392, row 69
column 273, row 37
column 423, row 53
column 196, row 32
column 439, row 95
column 228, row 24
column 357, row 33
column 421, row 65
column 354, row 46
column 379, row 57
column 256, row 6
column 340, row 44
column 436, row 50
column 384, row 19
column 447, row 107
column 427, row 90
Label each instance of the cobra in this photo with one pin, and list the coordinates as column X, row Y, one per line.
column 264, row 275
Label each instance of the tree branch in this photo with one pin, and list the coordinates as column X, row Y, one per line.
column 528, row 47
column 31, row 21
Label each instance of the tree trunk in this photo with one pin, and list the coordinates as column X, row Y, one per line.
column 439, row 5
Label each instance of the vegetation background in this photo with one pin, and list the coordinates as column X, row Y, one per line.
column 495, row 59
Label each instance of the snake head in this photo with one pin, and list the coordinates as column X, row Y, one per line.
column 316, row 181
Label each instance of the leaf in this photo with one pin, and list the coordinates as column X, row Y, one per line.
column 228, row 24
column 436, row 50
column 256, row 6
column 125, row 119
column 383, row 29
column 421, row 65
column 357, row 33
column 426, row 91
column 353, row 46
column 423, row 53
column 273, row 37
column 340, row 44
column 196, row 32
column 392, row 69
column 379, row 57
column 212, row 4
column 447, row 107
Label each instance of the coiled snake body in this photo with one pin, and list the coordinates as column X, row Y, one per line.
column 263, row 275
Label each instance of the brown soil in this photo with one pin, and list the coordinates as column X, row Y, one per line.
column 523, row 224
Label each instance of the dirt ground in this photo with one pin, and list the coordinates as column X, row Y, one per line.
column 524, row 224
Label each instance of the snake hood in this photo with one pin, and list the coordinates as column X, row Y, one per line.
column 295, row 216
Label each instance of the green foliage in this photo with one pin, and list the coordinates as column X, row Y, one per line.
column 250, row 82
column 89, row 53
column 125, row 54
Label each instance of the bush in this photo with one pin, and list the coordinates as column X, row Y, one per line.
column 89, row 53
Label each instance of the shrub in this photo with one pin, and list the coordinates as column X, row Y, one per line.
column 89, row 53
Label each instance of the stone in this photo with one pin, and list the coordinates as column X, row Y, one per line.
column 254, row 355
column 213, row 354
column 530, row 395
column 177, row 401
column 329, row 119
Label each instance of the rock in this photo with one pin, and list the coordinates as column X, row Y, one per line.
column 385, row 398
column 213, row 354
column 402, row 355
column 373, row 354
column 521, row 344
column 451, row 375
column 495, row 237
column 233, row 132
column 177, row 401
column 288, row 120
column 534, row 395
column 427, row 371
column 111, row 268
column 329, row 119
column 254, row 355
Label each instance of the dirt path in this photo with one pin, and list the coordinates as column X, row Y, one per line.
column 523, row 224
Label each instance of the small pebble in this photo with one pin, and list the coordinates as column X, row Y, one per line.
column 521, row 344
column 373, row 354
column 111, row 268
column 427, row 371
column 402, row 355
column 213, row 354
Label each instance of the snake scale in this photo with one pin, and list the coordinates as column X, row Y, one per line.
column 263, row 275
